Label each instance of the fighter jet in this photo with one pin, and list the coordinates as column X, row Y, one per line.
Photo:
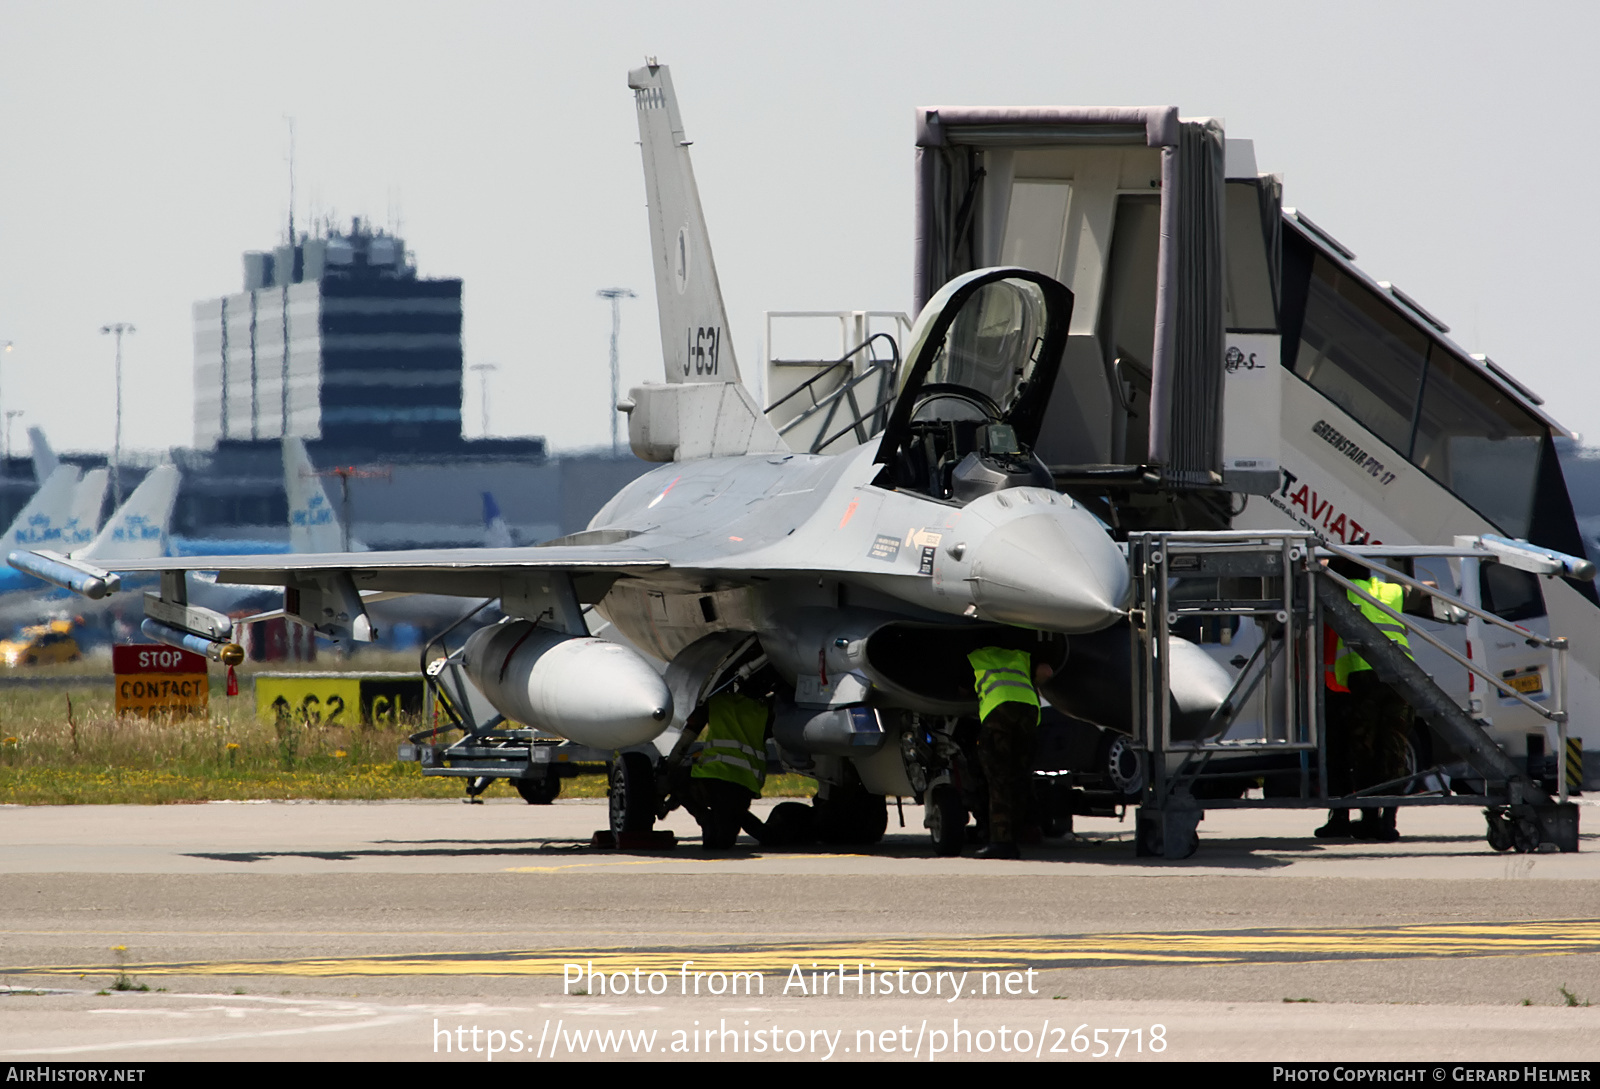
column 854, row 585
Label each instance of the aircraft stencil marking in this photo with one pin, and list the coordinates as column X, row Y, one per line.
column 885, row 548
column 701, row 350
column 681, row 270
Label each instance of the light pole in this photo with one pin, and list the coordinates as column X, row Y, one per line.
column 616, row 295
column 5, row 348
column 117, row 328
column 11, row 414
column 484, row 370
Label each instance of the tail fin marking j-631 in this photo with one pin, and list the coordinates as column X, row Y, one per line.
column 704, row 409
column 694, row 324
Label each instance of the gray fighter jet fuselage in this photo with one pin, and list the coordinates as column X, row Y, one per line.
column 813, row 557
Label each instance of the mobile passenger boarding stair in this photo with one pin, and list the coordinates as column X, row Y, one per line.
column 1280, row 582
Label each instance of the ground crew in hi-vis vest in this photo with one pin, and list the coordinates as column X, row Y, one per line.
column 729, row 771
column 1008, row 709
column 1369, row 724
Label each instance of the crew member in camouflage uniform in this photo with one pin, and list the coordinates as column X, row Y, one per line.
column 729, row 771
column 1008, row 708
column 1377, row 721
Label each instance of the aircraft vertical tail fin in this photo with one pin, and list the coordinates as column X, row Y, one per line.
column 313, row 524
column 40, row 523
column 704, row 410
column 496, row 534
column 138, row 530
column 44, row 458
column 694, row 324
column 87, row 499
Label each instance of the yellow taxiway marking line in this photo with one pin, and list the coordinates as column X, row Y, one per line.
column 1001, row 951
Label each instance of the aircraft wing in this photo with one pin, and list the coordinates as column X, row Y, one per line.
column 466, row 572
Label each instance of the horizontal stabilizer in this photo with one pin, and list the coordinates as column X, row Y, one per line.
column 680, row 423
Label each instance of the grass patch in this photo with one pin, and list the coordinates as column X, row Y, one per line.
column 125, row 982
column 50, row 755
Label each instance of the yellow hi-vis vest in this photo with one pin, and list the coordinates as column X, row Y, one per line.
column 735, row 743
column 1386, row 619
column 1002, row 676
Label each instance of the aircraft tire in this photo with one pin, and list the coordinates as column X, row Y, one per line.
column 947, row 820
column 538, row 791
column 632, row 793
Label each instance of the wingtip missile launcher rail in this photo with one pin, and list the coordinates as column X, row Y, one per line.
column 170, row 619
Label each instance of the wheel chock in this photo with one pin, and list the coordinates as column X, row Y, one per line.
column 657, row 839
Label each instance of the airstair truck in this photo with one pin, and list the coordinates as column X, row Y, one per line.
column 1230, row 367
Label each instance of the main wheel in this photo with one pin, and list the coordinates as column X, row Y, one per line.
column 538, row 791
column 1122, row 764
column 946, row 818
column 632, row 793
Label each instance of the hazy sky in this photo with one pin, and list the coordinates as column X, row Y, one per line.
column 143, row 150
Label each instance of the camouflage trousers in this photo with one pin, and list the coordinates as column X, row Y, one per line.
column 1368, row 731
column 1007, row 741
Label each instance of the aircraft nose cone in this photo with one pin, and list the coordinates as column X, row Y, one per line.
column 1056, row 570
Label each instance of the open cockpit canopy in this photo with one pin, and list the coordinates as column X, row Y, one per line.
column 983, row 360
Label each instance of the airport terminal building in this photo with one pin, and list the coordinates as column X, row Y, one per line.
column 334, row 336
column 337, row 340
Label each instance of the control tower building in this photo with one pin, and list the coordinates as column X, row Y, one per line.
column 335, row 338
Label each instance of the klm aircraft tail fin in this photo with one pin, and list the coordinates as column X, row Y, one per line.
column 87, row 499
column 41, row 522
column 44, row 458
column 667, row 424
column 138, row 530
column 313, row 524
column 496, row 534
